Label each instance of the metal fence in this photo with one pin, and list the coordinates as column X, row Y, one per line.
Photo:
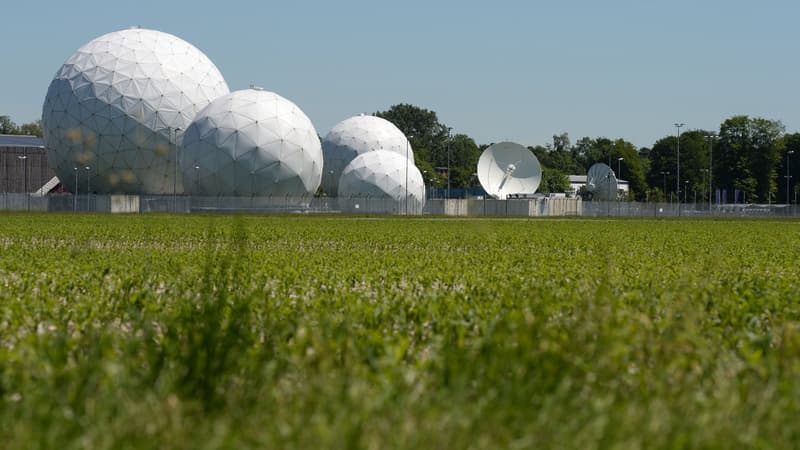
column 473, row 207
column 659, row 209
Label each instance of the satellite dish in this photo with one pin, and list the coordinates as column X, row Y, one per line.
column 601, row 182
column 507, row 168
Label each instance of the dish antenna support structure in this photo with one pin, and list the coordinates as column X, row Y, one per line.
column 508, row 168
column 601, row 182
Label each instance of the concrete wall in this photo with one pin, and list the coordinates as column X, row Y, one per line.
column 70, row 203
column 513, row 207
column 544, row 207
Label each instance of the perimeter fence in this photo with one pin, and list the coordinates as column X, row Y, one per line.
column 473, row 207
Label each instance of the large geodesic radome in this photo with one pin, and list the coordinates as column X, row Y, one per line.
column 355, row 136
column 118, row 106
column 382, row 181
column 251, row 143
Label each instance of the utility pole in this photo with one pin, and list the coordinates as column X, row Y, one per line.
column 678, row 173
column 788, row 177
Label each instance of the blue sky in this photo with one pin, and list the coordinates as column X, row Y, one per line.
column 501, row 70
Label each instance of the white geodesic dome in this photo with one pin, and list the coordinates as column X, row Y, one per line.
column 380, row 177
column 251, row 143
column 355, row 136
column 118, row 106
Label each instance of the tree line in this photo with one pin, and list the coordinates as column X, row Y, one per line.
column 7, row 126
column 746, row 159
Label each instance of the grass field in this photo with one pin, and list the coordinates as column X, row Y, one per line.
column 333, row 332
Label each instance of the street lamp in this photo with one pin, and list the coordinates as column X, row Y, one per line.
column 175, row 179
column 704, row 171
column 88, row 189
column 425, row 181
column 619, row 167
column 685, row 191
column 24, row 159
column 75, row 194
column 253, row 186
column 678, row 173
column 788, row 177
column 448, row 161
column 196, row 178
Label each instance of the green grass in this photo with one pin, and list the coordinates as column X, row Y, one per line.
column 334, row 332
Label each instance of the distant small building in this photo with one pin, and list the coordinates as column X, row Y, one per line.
column 578, row 181
column 20, row 154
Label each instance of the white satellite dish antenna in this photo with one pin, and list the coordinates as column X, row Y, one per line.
column 601, row 182
column 507, row 168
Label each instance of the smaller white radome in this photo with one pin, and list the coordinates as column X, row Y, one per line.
column 380, row 177
column 355, row 136
column 251, row 143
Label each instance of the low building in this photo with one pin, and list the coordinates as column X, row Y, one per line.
column 576, row 182
column 23, row 164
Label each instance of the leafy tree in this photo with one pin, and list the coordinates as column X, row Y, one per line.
column 559, row 156
column 558, row 160
column 33, row 128
column 554, row 181
column 7, row 126
column 542, row 154
column 747, row 155
column 663, row 163
column 694, row 163
column 561, row 142
column 432, row 141
column 644, row 156
column 427, row 135
column 464, row 155
column 609, row 151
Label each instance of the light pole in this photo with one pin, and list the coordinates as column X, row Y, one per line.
column 196, row 178
column 448, row 161
column 406, row 199
column 75, row 194
column 710, row 138
column 619, row 167
column 704, row 171
column 678, row 173
column 788, row 177
column 175, row 179
column 253, row 186
column 685, row 191
column 425, row 181
column 88, row 189
column 24, row 159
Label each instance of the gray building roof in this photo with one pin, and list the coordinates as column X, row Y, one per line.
column 11, row 140
column 577, row 179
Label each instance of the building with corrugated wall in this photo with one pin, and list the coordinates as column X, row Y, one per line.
column 23, row 164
